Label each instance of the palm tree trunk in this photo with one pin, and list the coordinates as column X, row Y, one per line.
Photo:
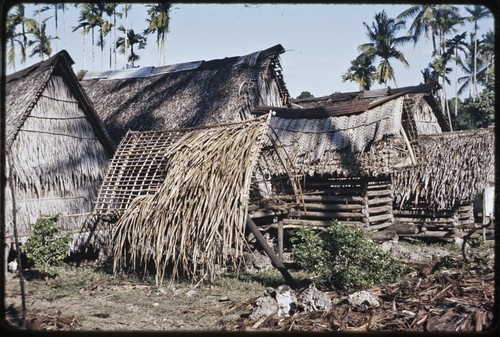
column 456, row 81
column 474, row 81
column 93, row 50
column 55, row 18
column 114, row 35
column 64, row 27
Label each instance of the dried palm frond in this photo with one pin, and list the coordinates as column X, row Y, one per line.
column 196, row 218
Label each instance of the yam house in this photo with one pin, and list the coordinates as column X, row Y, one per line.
column 57, row 149
column 379, row 159
column 188, row 94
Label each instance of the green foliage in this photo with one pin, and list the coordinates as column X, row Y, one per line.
column 345, row 257
column 305, row 95
column 478, row 113
column 46, row 246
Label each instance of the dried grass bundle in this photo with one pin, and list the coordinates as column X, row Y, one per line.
column 196, row 218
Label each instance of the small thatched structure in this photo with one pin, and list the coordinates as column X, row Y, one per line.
column 188, row 94
column 57, row 148
column 190, row 212
column 454, row 168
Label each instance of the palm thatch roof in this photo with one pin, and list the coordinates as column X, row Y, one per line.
column 454, row 168
column 423, row 101
column 352, row 134
column 193, row 216
column 188, row 94
column 24, row 88
column 56, row 143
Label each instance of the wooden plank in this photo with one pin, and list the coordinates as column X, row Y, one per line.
column 375, row 193
column 378, row 201
column 379, row 218
column 333, row 207
column 295, row 223
column 380, row 226
column 326, row 214
column 406, row 228
column 280, row 240
column 379, row 209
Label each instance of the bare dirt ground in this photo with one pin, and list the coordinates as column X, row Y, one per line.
column 443, row 293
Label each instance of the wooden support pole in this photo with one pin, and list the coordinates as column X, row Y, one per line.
column 274, row 259
column 280, row 240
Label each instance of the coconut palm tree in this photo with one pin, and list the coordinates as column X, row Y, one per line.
column 126, row 9
column 14, row 20
column 361, row 71
column 41, row 43
column 110, row 10
column 84, row 25
column 477, row 13
column 56, row 7
column 158, row 22
column 131, row 39
column 455, row 45
column 487, row 54
column 383, row 44
column 424, row 16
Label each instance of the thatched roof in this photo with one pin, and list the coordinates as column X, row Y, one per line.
column 23, row 90
column 351, row 134
column 188, row 94
column 194, row 213
column 357, row 99
column 454, row 168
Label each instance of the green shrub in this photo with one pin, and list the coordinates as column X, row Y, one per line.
column 345, row 257
column 46, row 246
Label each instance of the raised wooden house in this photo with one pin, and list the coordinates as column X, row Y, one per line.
column 56, row 147
column 377, row 159
column 339, row 154
column 188, row 94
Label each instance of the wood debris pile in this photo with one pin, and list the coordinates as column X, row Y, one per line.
column 40, row 321
column 447, row 295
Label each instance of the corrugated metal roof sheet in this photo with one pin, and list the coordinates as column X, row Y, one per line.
column 130, row 73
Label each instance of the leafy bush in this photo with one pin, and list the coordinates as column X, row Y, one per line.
column 46, row 246
column 345, row 257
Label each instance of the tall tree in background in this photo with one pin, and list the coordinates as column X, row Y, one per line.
column 83, row 24
column 130, row 40
column 56, row 7
column 423, row 20
column 40, row 43
column 126, row 8
column 383, row 44
column 361, row 71
column 14, row 20
column 454, row 46
column 110, row 9
column 158, row 22
column 477, row 13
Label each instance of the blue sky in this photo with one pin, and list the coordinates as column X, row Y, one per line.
column 320, row 40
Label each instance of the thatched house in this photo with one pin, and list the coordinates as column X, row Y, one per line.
column 188, row 94
column 343, row 149
column 375, row 159
column 57, row 149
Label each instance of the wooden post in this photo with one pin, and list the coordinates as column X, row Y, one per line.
column 274, row 259
column 280, row 240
